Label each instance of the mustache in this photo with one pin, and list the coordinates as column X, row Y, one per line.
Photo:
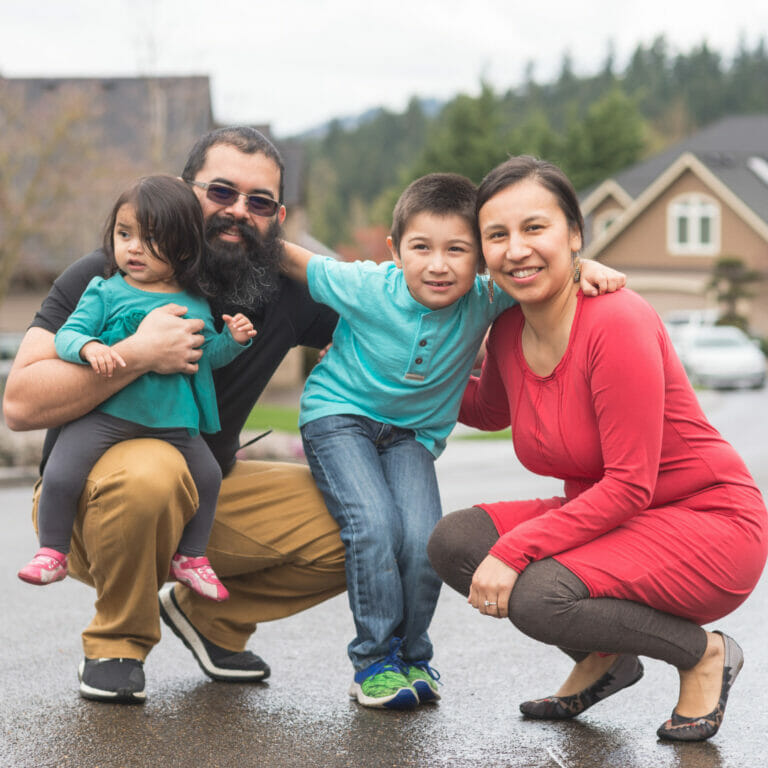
column 217, row 224
column 245, row 274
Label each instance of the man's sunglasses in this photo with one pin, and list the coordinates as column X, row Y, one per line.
column 221, row 194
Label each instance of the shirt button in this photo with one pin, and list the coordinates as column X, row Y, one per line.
column 418, row 361
column 423, row 343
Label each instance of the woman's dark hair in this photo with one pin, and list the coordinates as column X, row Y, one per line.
column 552, row 178
column 170, row 223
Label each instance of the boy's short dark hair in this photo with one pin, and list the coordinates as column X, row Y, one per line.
column 441, row 194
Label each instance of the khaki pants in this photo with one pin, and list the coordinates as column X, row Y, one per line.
column 273, row 544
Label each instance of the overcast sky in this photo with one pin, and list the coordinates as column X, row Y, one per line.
column 296, row 63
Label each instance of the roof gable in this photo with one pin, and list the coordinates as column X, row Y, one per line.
column 686, row 162
column 725, row 148
column 608, row 189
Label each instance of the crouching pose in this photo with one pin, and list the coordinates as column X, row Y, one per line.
column 661, row 529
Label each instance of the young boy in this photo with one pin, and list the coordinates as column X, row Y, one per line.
column 376, row 412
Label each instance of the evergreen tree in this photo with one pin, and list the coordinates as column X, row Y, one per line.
column 611, row 137
column 467, row 137
column 592, row 126
column 699, row 78
column 731, row 280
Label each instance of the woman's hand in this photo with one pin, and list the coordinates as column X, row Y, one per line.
column 491, row 587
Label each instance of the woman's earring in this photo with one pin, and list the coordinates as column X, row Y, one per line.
column 490, row 290
column 576, row 269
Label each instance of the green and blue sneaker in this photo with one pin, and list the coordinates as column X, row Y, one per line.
column 424, row 680
column 383, row 685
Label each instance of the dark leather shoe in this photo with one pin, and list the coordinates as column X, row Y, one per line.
column 625, row 671
column 679, row 728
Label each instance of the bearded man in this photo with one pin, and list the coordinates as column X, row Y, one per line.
column 273, row 543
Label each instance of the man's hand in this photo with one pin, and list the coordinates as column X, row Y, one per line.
column 240, row 327
column 102, row 358
column 596, row 278
column 166, row 342
column 491, row 587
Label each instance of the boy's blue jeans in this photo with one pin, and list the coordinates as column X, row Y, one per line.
column 379, row 485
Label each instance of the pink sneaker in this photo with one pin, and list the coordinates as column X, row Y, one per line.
column 48, row 565
column 197, row 574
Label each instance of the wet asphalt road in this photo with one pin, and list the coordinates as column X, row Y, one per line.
column 302, row 716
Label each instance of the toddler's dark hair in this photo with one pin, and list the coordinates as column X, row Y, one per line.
column 170, row 223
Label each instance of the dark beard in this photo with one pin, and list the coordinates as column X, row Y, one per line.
column 242, row 275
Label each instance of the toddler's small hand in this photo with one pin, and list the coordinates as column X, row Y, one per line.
column 240, row 327
column 101, row 358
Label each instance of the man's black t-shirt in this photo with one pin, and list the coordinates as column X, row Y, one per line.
column 289, row 319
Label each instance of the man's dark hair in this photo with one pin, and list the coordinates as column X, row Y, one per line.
column 244, row 138
column 170, row 224
column 552, row 178
column 441, row 194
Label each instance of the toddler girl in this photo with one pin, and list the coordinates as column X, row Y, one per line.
column 154, row 242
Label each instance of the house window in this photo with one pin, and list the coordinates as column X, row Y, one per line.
column 693, row 226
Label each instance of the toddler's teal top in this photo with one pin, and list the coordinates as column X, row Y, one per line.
column 109, row 311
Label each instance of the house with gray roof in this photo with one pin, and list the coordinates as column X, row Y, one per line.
column 665, row 221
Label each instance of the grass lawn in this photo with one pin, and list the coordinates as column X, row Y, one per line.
column 504, row 434
column 279, row 418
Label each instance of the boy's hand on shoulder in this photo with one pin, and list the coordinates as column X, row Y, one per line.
column 240, row 327
column 101, row 358
column 596, row 278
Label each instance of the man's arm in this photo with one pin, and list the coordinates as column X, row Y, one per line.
column 295, row 261
column 44, row 391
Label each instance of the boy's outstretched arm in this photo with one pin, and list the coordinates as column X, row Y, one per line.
column 295, row 260
column 596, row 278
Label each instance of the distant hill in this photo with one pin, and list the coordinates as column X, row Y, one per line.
column 430, row 107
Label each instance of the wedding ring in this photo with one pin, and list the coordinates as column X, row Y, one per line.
column 488, row 602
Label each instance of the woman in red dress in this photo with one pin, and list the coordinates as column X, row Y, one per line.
column 661, row 529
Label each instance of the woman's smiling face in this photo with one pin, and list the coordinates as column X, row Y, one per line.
column 527, row 242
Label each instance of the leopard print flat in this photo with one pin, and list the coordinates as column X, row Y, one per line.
column 679, row 728
column 625, row 671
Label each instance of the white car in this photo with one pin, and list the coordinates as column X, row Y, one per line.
column 721, row 357
column 680, row 322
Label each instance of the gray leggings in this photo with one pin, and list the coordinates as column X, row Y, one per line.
column 551, row 604
column 80, row 445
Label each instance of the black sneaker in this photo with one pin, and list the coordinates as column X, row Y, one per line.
column 217, row 662
column 117, row 680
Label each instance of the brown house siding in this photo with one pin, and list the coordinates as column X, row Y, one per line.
column 641, row 251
